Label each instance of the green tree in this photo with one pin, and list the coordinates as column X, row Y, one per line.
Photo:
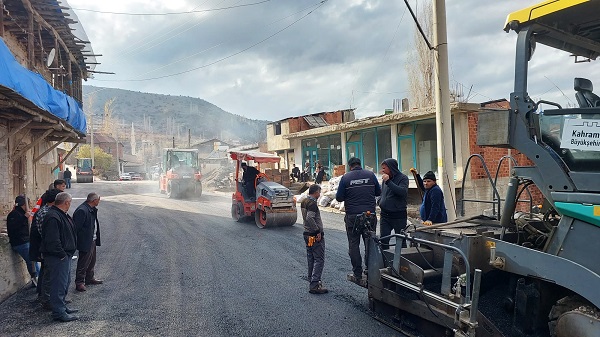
column 102, row 160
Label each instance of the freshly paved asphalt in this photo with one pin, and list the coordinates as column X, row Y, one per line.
column 185, row 268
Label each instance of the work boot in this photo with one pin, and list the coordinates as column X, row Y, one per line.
column 80, row 287
column 319, row 289
column 66, row 318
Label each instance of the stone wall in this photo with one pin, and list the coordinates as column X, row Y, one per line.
column 13, row 271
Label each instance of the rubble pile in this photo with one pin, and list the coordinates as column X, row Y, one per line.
column 327, row 198
column 220, row 178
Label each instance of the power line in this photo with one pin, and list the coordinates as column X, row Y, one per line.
column 224, row 58
column 170, row 13
column 209, row 48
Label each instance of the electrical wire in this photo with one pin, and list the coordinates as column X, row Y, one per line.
column 223, row 58
column 170, row 13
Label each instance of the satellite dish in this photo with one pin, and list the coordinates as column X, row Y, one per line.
column 50, row 59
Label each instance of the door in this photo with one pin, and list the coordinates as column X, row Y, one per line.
column 354, row 149
column 407, row 154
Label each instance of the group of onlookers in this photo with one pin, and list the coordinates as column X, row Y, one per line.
column 47, row 237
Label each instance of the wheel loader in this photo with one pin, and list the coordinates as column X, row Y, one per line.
column 180, row 176
column 271, row 205
column 527, row 273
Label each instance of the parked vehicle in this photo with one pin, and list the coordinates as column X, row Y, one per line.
column 135, row 176
column 124, row 176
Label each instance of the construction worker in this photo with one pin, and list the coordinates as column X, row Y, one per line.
column 433, row 209
column 313, row 237
column 358, row 189
column 248, row 180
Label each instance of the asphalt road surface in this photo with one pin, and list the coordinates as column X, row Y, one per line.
column 185, row 268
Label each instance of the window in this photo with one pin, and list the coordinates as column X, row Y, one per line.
column 277, row 128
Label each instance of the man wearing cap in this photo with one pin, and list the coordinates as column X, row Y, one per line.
column 433, row 209
column 358, row 189
column 85, row 218
column 17, row 225
column 58, row 246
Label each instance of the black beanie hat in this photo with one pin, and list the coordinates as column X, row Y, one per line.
column 20, row 200
column 429, row 175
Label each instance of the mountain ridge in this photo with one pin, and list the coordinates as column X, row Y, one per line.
column 173, row 115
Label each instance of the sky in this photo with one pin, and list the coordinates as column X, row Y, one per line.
column 273, row 59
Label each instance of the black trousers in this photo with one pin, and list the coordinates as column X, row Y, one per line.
column 387, row 225
column 354, row 244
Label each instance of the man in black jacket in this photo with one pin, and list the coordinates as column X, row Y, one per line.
column 88, row 237
column 392, row 203
column 358, row 189
column 35, row 240
column 58, row 246
column 67, row 175
column 17, row 226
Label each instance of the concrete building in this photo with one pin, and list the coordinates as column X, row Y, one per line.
column 410, row 138
column 44, row 55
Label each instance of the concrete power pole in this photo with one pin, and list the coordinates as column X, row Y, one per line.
column 443, row 118
column 92, row 138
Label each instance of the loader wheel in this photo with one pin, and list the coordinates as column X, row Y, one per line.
column 237, row 211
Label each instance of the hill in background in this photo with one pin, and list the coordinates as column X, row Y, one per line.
column 174, row 115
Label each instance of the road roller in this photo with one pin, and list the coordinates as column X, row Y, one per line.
column 270, row 204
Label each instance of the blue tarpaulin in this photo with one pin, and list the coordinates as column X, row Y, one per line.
column 33, row 87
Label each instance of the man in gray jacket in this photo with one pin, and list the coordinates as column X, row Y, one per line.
column 85, row 218
column 313, row 237
column 394, row 191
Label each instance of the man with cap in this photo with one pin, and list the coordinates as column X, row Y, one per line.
column 392, row 203
column 17, row 225
column 433, row 209
column 358, row 189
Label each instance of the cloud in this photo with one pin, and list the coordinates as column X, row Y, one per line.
column 344, row 54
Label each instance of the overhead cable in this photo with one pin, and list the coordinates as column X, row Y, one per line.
column 170, row 13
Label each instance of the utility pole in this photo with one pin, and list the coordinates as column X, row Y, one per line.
column 92, row 138
column 443, row 118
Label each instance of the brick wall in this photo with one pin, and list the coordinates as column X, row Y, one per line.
column 492, row 156
column 298, row 124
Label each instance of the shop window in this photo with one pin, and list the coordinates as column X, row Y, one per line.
column 369, row 150
column 384, row 143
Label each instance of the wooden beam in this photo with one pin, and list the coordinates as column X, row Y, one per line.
column 35, row 160
column 41, row 20
column 30, row 42
column 14, row 131
column 30, row 145
column 64, row 159
column 1, row 18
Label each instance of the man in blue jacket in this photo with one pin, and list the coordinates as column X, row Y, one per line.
column 357, row 189
column 433, row 209
column 394, row 191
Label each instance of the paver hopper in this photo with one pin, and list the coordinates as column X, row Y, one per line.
column 272, row 205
